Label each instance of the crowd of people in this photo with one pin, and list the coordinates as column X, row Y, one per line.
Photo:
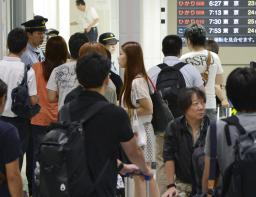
column 120, row 138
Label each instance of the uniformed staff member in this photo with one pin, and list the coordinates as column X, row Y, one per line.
column 35, row 29
column 109, row 40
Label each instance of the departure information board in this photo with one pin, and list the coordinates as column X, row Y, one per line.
column 229, row 22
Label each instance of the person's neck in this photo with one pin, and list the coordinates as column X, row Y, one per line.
column 14, row 55
column 193, row 123
column 99, row 90
column 32, row 44
column 198, row 48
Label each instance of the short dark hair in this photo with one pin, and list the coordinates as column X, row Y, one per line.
column 92, row 69
column 3, row 88
column 212, row 45
column 196, row 34
column 240, row 88
column 75, row 42
column 185, row 97
column 80, row 2
column 17, row 40
column 171, row 45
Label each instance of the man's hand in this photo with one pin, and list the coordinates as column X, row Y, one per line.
column 147, row 172
column 74, row 23
column 224, row 103
column 170, row 192
column 129, row 169
column 87, row 29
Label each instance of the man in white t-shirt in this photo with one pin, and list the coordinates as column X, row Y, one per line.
column 63, row 78
column 196, row 37
column 171, row 48
column 12, row 73
column 89, row 20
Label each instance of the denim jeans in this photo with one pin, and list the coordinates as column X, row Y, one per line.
column 92, row 34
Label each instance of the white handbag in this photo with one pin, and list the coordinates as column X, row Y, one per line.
column 139, row 129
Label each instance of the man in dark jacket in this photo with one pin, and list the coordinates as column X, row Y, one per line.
column 107, row 129
column 183, row 134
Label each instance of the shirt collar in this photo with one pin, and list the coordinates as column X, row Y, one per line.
column 171, row 59
column 8, row 58
column 30, row 47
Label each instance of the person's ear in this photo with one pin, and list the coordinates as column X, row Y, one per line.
column 106, row 80
column 2, row 103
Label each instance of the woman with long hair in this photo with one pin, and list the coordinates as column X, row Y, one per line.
column 56, row 54
column 135, row 98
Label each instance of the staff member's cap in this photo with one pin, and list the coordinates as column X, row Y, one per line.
column 107, row 38
column 37, row 24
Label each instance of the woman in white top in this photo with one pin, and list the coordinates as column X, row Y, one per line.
column 135, row 98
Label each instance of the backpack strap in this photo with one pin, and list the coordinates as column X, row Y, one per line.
column 25, row 77
column 162, row 66
column 232, row 120
column 179, row 65
column 213, row 159
column 94, row 109
column 64, row 114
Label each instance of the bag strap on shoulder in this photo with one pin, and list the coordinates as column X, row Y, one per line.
column 179, row 65
column 213, row 159
column 208, row 62
column 162, row 66
column 25, row 77
column 94, row 109
column 232, row 120
column 153, row 86
column 64, row 114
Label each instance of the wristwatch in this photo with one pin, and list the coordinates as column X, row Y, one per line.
column 171, row 185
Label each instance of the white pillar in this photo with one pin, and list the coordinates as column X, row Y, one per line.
column 4, row 25
column 140, row 21
column 129, row 21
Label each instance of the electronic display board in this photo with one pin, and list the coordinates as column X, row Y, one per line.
column 229, row 22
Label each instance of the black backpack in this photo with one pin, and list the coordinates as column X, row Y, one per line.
column 240, row 177
column 161, row 112
column 64, row 169
column 21, row 104
column 170, row 81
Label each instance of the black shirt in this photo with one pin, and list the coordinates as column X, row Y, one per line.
column 117, row 81
column 105, row 131
column 10, row 150
column 178, row 146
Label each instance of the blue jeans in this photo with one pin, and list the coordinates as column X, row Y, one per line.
column 92, row 34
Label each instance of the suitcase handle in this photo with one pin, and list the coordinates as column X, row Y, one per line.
column 147, row 178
